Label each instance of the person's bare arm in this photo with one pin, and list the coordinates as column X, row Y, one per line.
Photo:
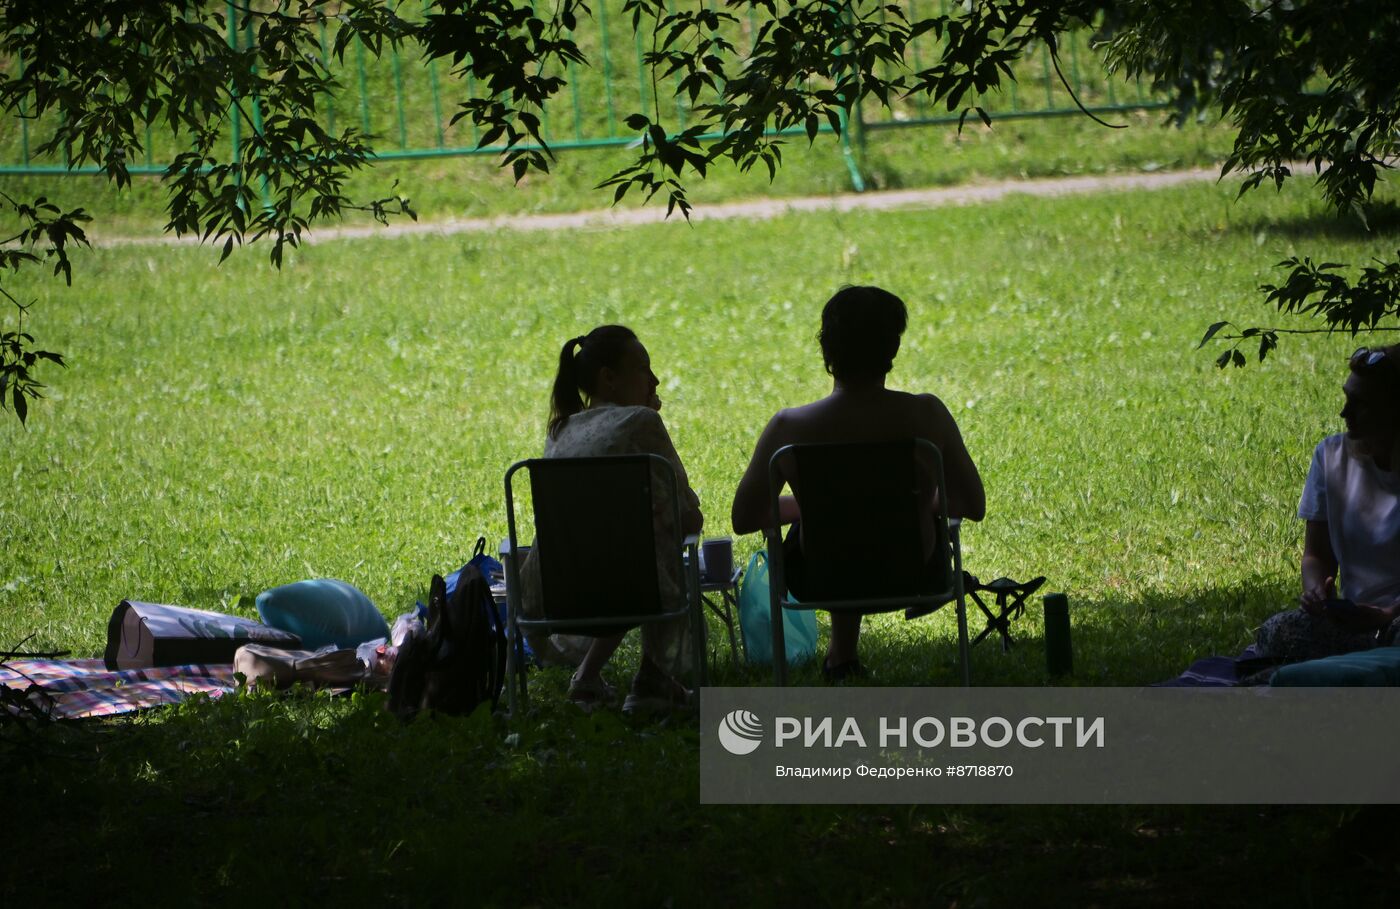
column 1319, row 567
column 751, row 500
column 966, row 497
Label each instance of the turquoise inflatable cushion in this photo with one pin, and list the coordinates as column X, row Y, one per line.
column 322, row 611
column 1365, row 669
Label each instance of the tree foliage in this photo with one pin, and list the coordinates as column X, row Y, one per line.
column 1311, row 81
column 1303, row 82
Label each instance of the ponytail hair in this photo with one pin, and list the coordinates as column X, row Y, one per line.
column 580, row 361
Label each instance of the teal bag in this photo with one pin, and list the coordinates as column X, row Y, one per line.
column 799, row 625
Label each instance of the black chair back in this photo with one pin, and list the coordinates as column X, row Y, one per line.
column 595, row 537
column 862, row 536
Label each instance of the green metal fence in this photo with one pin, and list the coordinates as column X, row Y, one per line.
column 407, row 104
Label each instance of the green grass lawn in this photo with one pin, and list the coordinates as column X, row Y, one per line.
column 225, row 429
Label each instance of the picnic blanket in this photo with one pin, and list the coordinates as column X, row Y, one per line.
column 1222, row 671
column 73, row 689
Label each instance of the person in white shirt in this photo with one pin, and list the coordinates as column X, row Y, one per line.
column 1351, row 545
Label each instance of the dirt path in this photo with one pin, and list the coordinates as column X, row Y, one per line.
column 755, row 208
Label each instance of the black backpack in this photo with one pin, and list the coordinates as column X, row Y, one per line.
column 459, row 662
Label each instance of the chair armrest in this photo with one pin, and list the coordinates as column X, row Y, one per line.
column 691, row 541
column 505, row 548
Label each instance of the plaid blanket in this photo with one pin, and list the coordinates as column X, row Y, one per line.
column 72, row 689
column 1221, row 671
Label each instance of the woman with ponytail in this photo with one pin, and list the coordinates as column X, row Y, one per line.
column 604, row 402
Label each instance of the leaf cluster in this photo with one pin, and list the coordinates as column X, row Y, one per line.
column 506, row 50
column 1303, row 81
column 107, row 74
column 44, row 235
column 810, row 64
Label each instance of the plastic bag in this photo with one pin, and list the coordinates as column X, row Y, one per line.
column 799, row 625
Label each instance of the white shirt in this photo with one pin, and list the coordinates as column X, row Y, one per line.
column 1361, row 505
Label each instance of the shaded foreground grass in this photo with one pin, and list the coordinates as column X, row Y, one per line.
column 297, row 803
column 224, row 430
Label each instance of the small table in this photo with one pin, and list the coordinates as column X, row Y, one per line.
column 722, row 598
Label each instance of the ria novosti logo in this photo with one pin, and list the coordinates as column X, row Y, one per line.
column 740, row 732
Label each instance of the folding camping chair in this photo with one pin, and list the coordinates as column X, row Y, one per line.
column 596, row 546
column 861, row 535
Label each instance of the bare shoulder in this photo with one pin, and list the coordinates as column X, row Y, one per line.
column 780, row 426
column 934, row 418
column 931, row 403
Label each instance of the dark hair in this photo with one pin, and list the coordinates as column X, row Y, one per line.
column 1388, row 365
column 579, row 364
column 860, row 332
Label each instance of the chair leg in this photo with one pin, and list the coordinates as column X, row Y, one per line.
column 775, row 618
column 695, row 601
column 964, row 650
column 515, row 650
column 511, row 660
column 960, row 586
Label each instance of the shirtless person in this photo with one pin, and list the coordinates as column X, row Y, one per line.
column 861, row 327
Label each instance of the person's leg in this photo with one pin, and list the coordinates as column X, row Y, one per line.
column 845, row 635
column 664, row 648
column 668, row 646
column 597, row 657
column 587, row 688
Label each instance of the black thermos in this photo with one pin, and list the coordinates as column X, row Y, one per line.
column 1059, row 656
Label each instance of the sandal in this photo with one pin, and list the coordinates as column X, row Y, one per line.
column 851, row 669
column 590, row 694
column 653, row 691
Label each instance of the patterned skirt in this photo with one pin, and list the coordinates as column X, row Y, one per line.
column 1294, row 636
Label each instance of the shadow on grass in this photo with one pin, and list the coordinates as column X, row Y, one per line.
column 311, row 799
column 1382, row 220
column 1119, row 640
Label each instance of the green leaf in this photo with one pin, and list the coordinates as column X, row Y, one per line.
column 1210, row 333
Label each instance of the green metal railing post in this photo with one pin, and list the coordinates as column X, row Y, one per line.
column 364, row 89
column 235, row 116
column 23, row 121
column 330, row 98
column 607, row 69
column 398, row 97
column 853, row 146
column 257, row 123
column 433, row 84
